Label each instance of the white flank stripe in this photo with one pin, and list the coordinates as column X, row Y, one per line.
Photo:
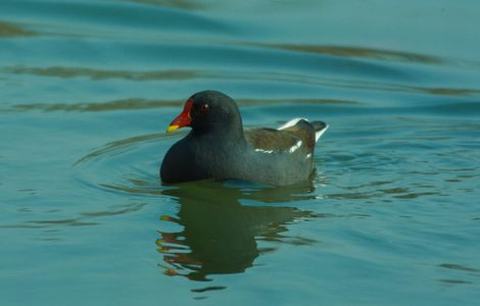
column 296, row 146
column 264, row 151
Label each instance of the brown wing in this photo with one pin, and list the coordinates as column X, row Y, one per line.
column 282, row 140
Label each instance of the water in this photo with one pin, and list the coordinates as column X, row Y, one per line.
column 391, row 218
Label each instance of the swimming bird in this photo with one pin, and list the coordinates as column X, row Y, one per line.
column 218, row 147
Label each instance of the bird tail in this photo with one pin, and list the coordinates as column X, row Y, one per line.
column 320, row 128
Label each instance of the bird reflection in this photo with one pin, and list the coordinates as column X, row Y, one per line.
column 222, row 225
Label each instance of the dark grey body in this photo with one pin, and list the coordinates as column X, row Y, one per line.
column 206, row 156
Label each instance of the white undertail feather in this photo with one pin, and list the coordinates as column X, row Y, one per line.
column 292, row 122
column 318, row 134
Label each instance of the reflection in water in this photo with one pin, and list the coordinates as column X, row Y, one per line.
column 219, row 234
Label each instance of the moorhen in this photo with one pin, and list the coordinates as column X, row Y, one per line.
column 218, row 147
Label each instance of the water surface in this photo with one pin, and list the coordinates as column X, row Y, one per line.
column 391, row 217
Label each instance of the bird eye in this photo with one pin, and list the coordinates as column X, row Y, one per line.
column 204, row 108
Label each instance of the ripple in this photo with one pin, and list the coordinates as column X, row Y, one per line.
column 458, row 267
column 454, row 281
column 113, row 212
column 267, row 76
column 102, row 74
column 115, row 14
column 414, row 195
column 343, row 51
column 209, row 288
column 86, row 218
column 180, row 4
column 139, row 103
column 12, row 30
column 120, row 145
column 49, row 223
column 153, row 190
column 124, row 104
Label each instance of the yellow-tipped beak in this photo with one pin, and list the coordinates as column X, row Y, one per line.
column 172, row 128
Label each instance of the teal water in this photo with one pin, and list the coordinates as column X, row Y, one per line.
column 392, row 216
